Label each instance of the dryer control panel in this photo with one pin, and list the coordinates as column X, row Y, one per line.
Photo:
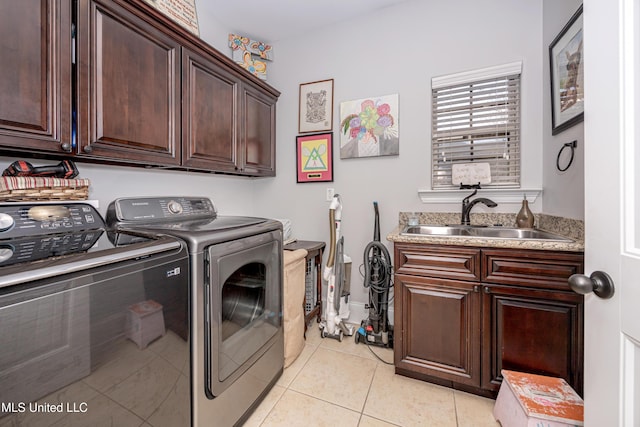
column 145, row 210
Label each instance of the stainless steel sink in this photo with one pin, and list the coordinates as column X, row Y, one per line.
column 482, row 232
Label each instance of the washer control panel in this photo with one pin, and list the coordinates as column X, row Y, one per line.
column 29, row 232
column 40, row 247
column 21, row 220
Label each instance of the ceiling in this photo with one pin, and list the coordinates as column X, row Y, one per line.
column 273, row 20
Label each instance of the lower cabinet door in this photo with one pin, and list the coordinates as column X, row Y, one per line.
column 533, row 331
column 439, row 333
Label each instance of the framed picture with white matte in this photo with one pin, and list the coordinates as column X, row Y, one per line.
column 567, row 75
column 315, row 112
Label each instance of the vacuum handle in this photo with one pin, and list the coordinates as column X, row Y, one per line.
column 376, row 226
column 332, row 233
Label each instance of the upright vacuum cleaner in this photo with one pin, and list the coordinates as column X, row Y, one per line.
column 333, row 325
column 375, row 329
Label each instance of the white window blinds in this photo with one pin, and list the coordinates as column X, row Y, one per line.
column 476, row 118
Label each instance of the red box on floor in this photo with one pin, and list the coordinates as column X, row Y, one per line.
column 533, row 400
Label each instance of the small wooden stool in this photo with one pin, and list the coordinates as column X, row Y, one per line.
column 145, row 323
column 534, row 400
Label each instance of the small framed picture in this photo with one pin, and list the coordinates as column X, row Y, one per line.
column 567, row 75
column 314, row 158
column 316, row 107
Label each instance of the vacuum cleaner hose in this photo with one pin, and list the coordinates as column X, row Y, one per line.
column 377, row 267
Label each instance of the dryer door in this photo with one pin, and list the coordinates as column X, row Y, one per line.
column 244, row 291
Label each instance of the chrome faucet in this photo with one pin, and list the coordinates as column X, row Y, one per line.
column 467, row 205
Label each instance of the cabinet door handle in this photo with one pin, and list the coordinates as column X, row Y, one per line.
column 87, row 148
column 65, row 146
column 476, row 288
column 487, row 290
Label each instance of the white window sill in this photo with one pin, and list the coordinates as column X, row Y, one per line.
column 498, row 195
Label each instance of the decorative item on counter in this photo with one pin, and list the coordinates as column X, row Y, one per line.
column 470, row 175
column 525, row 218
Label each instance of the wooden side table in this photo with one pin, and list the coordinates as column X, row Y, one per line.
column 314, row 253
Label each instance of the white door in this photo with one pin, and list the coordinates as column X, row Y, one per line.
column 612, row 210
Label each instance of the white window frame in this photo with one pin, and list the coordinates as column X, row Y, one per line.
column 482, row 124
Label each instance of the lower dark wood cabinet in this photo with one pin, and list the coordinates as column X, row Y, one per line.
column 536, row 331
column 462, row 333
column 440, row 328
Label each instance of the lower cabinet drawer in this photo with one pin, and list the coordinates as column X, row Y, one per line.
column 446, row 262
column 538, row 269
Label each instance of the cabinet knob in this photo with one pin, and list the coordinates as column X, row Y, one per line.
column 476, row 288
column 487, row 290
column 65, row 146
column 600, row 283
column 87, row 148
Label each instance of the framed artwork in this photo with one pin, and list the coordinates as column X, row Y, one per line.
column 316, row 106
column 369, row 127
column 314, row 158
column 567, row 75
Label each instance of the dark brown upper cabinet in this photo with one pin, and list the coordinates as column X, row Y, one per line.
column 129, row 87
column 210, row 107
column 227, row 123
column 258, row 144
column 146, row 92
column 35, row 75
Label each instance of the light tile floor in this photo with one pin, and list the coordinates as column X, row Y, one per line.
column 342, row 384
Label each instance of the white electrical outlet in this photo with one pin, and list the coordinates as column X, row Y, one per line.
column 330, row 193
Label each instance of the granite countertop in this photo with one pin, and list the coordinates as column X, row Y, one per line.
column 571, row 228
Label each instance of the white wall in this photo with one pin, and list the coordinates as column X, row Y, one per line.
column 397, row 50
column 563, row 191
column 212, row 31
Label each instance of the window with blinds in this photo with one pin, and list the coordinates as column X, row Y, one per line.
column 476, row 118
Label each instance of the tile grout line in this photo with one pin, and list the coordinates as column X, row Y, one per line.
column 455, row 408
column 288, row 386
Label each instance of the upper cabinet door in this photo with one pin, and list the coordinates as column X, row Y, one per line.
column 35, row 75
column 129, row 87
column 209, row 115
column 259, row 132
